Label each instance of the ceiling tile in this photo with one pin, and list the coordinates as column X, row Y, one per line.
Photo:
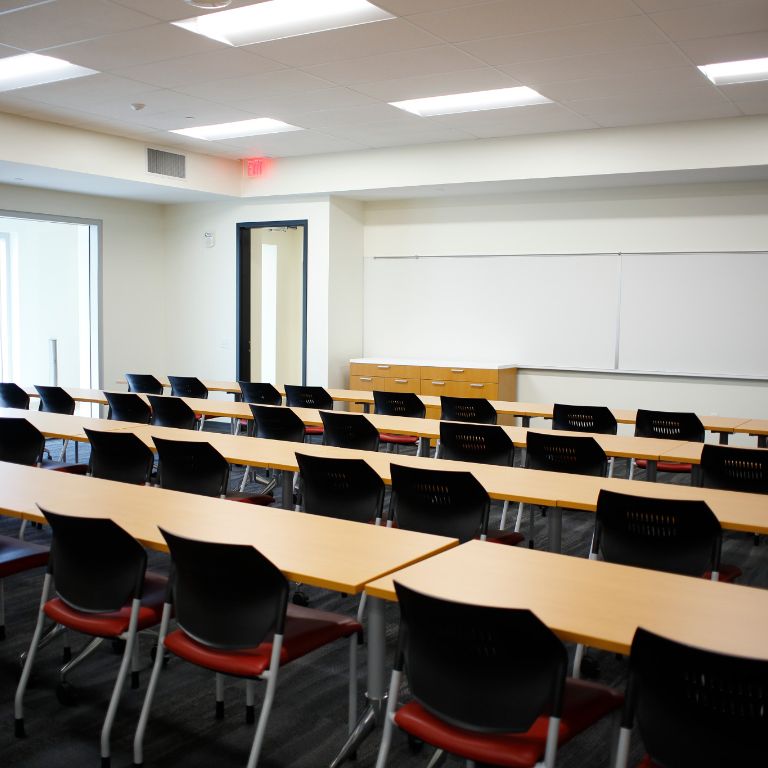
column 426, row 61
column 6, row 50
column 82, row 92
column 710, row 50
column 614, row 35
column 10, row 6
column 625, row 62
column 488, row 19
column 67, row 21
column 348, row 43
column 283, row 105
column 190, row 117
column 374, row 113
column 481, row 79
column 173, row 10
column 238, row 89
column 714, row 20
column 125, row 49
column 295, row 143
column 201, row 68
column 401, row 134
column 751, row 98
column 652, row 6
column 410, row 7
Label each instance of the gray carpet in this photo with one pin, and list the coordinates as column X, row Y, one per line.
column 308, row 721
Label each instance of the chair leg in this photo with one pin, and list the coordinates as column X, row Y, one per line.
column 389, row 723
column 352, row 708
column 631, row 469
column 246, row 474
column 138, row 739
column 250, row 711
column 22, row 529
column 117, row 691
column 2, row 610
column 63, row 454
column 519, row 518
column 436, row 759
column 622, row 748
column 92, row 645
column 553, row 732
column 504, row 510
column 18, row 705
column 611, row 462
column 269, row 695
column 219, row 696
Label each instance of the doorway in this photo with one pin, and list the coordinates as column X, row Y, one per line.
column 272, row 301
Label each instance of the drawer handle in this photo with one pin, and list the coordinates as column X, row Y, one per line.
column 401, row 381
column 366, row 378
column 384, row 366
column 439, row 383
column 478, row 386
column 457, row 370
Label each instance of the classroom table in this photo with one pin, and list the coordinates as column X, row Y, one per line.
column 325, row 552
column 757, row 427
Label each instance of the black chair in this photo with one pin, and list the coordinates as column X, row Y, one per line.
column 195, row 466
column 119, row 456
column 58, row 400
column 481, row 443
column 126, row 406
column 308, row 397
column 488, row 684
column 579, row 455
column 474, row 409
column 13, row 396
column 103, row 590
column 734, row 469
column 23, row 443
column 584, row 418
column 231, row 607
column 16, row 556
column 669, row 425
column 187, row 386
column 694, row 706
column 171, row 412
column 349, row 430
column 443, row 503
column 405, row 404
column 261, row 393
column 144, row 383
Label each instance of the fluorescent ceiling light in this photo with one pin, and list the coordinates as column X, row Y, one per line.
column 33, row 69
column 256, row 127
column 476, row 101
column 276, row 19
column 748, row 71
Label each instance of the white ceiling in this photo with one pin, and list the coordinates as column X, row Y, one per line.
column 602, row 62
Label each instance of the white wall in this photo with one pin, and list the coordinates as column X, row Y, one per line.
column 133, row 277
column 711, row 217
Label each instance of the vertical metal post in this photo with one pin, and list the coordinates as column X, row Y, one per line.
column 53, row 361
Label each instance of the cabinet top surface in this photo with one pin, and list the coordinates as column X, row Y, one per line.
column 429, row 363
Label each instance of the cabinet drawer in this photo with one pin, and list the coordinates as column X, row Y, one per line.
column 367, row 383
column 398, row 384
column 488, row 390
column 459, row 374
column 438, row 387
column 384, row 369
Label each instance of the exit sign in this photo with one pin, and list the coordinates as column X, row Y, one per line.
column 256, row 167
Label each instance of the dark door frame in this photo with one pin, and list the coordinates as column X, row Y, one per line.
column 243, row 301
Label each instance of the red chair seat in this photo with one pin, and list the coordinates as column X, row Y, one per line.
column 115, row 623
column 398, row 439
column 253, row 498
column 728, row 572
column 583, row 704
column 510, row 538
column 646, row 762
column 313, row 430
column 665, row 466
column 305, row 630
column 71, row 469
column 17, row 555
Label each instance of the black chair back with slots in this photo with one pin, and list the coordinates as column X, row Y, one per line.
column 193, row 466
column 187, row 386
column 307, row 397
column 171, row 412
column 349, row 430
column 144, row 383
column 127, row 406
column 119, row 456
column 56, row 400
column 734, row 469
column 259, row 392
column 398, row 404
column 584, row 418
column 13, row 396
column 20, row 442
column 580, row 455
column 277, row 423
column 475, row 409
column 481, row 443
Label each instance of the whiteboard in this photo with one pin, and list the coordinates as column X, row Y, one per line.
column 696, row 313
column 526, row 310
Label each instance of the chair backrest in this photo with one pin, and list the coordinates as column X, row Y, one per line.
column 343, row 488
column 171, row 412
column 13, row 396
column 227, row 596
column 260, row 392
column 694, row 706
column 678, row 536
column 97, row 567
column 483, row 443
column 479, row 668
column 437, row 501
column 473, row 409
column 734, row 469
column 277, row 423
column 55, row 400
column 120, row 456
column 21, row 442
column 126, row 406
column 144, row 383
column 669, row 425
column 187, row 386
column 584, row 418
column 579, row 455
column 349, row 430
column 193, row 466
column 307, row 397
column 398, row 404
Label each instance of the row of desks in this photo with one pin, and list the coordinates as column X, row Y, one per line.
column 724, row 425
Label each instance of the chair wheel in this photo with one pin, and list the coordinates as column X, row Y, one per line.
column 415, row 745
column 300, row 598
column 67, row 694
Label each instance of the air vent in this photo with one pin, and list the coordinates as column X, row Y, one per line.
column 166, row 163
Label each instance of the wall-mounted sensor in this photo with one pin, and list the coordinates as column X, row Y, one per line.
column 137, row 106
column 210, row 239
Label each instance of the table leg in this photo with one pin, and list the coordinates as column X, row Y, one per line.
column 525, row 421
column 650, row 471
column 287, row 485
column 555, row 518
column 723, row 438
column 762, row 441
column 366, row 407
column 423, row 449
column 376, row 695
column 696, row 475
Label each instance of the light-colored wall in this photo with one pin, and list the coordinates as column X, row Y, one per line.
column 132, row 273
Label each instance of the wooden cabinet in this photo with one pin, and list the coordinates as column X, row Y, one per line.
column 424, row 378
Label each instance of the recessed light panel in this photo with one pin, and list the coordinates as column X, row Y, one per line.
column 276, row 19
column 727, row 72
column 476, row 101
column 256, row 127
column 33, row 69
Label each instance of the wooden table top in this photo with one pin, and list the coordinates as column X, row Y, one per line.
column 62, row 426
column 335, row 554
column 754, row 427
column 592, row 602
